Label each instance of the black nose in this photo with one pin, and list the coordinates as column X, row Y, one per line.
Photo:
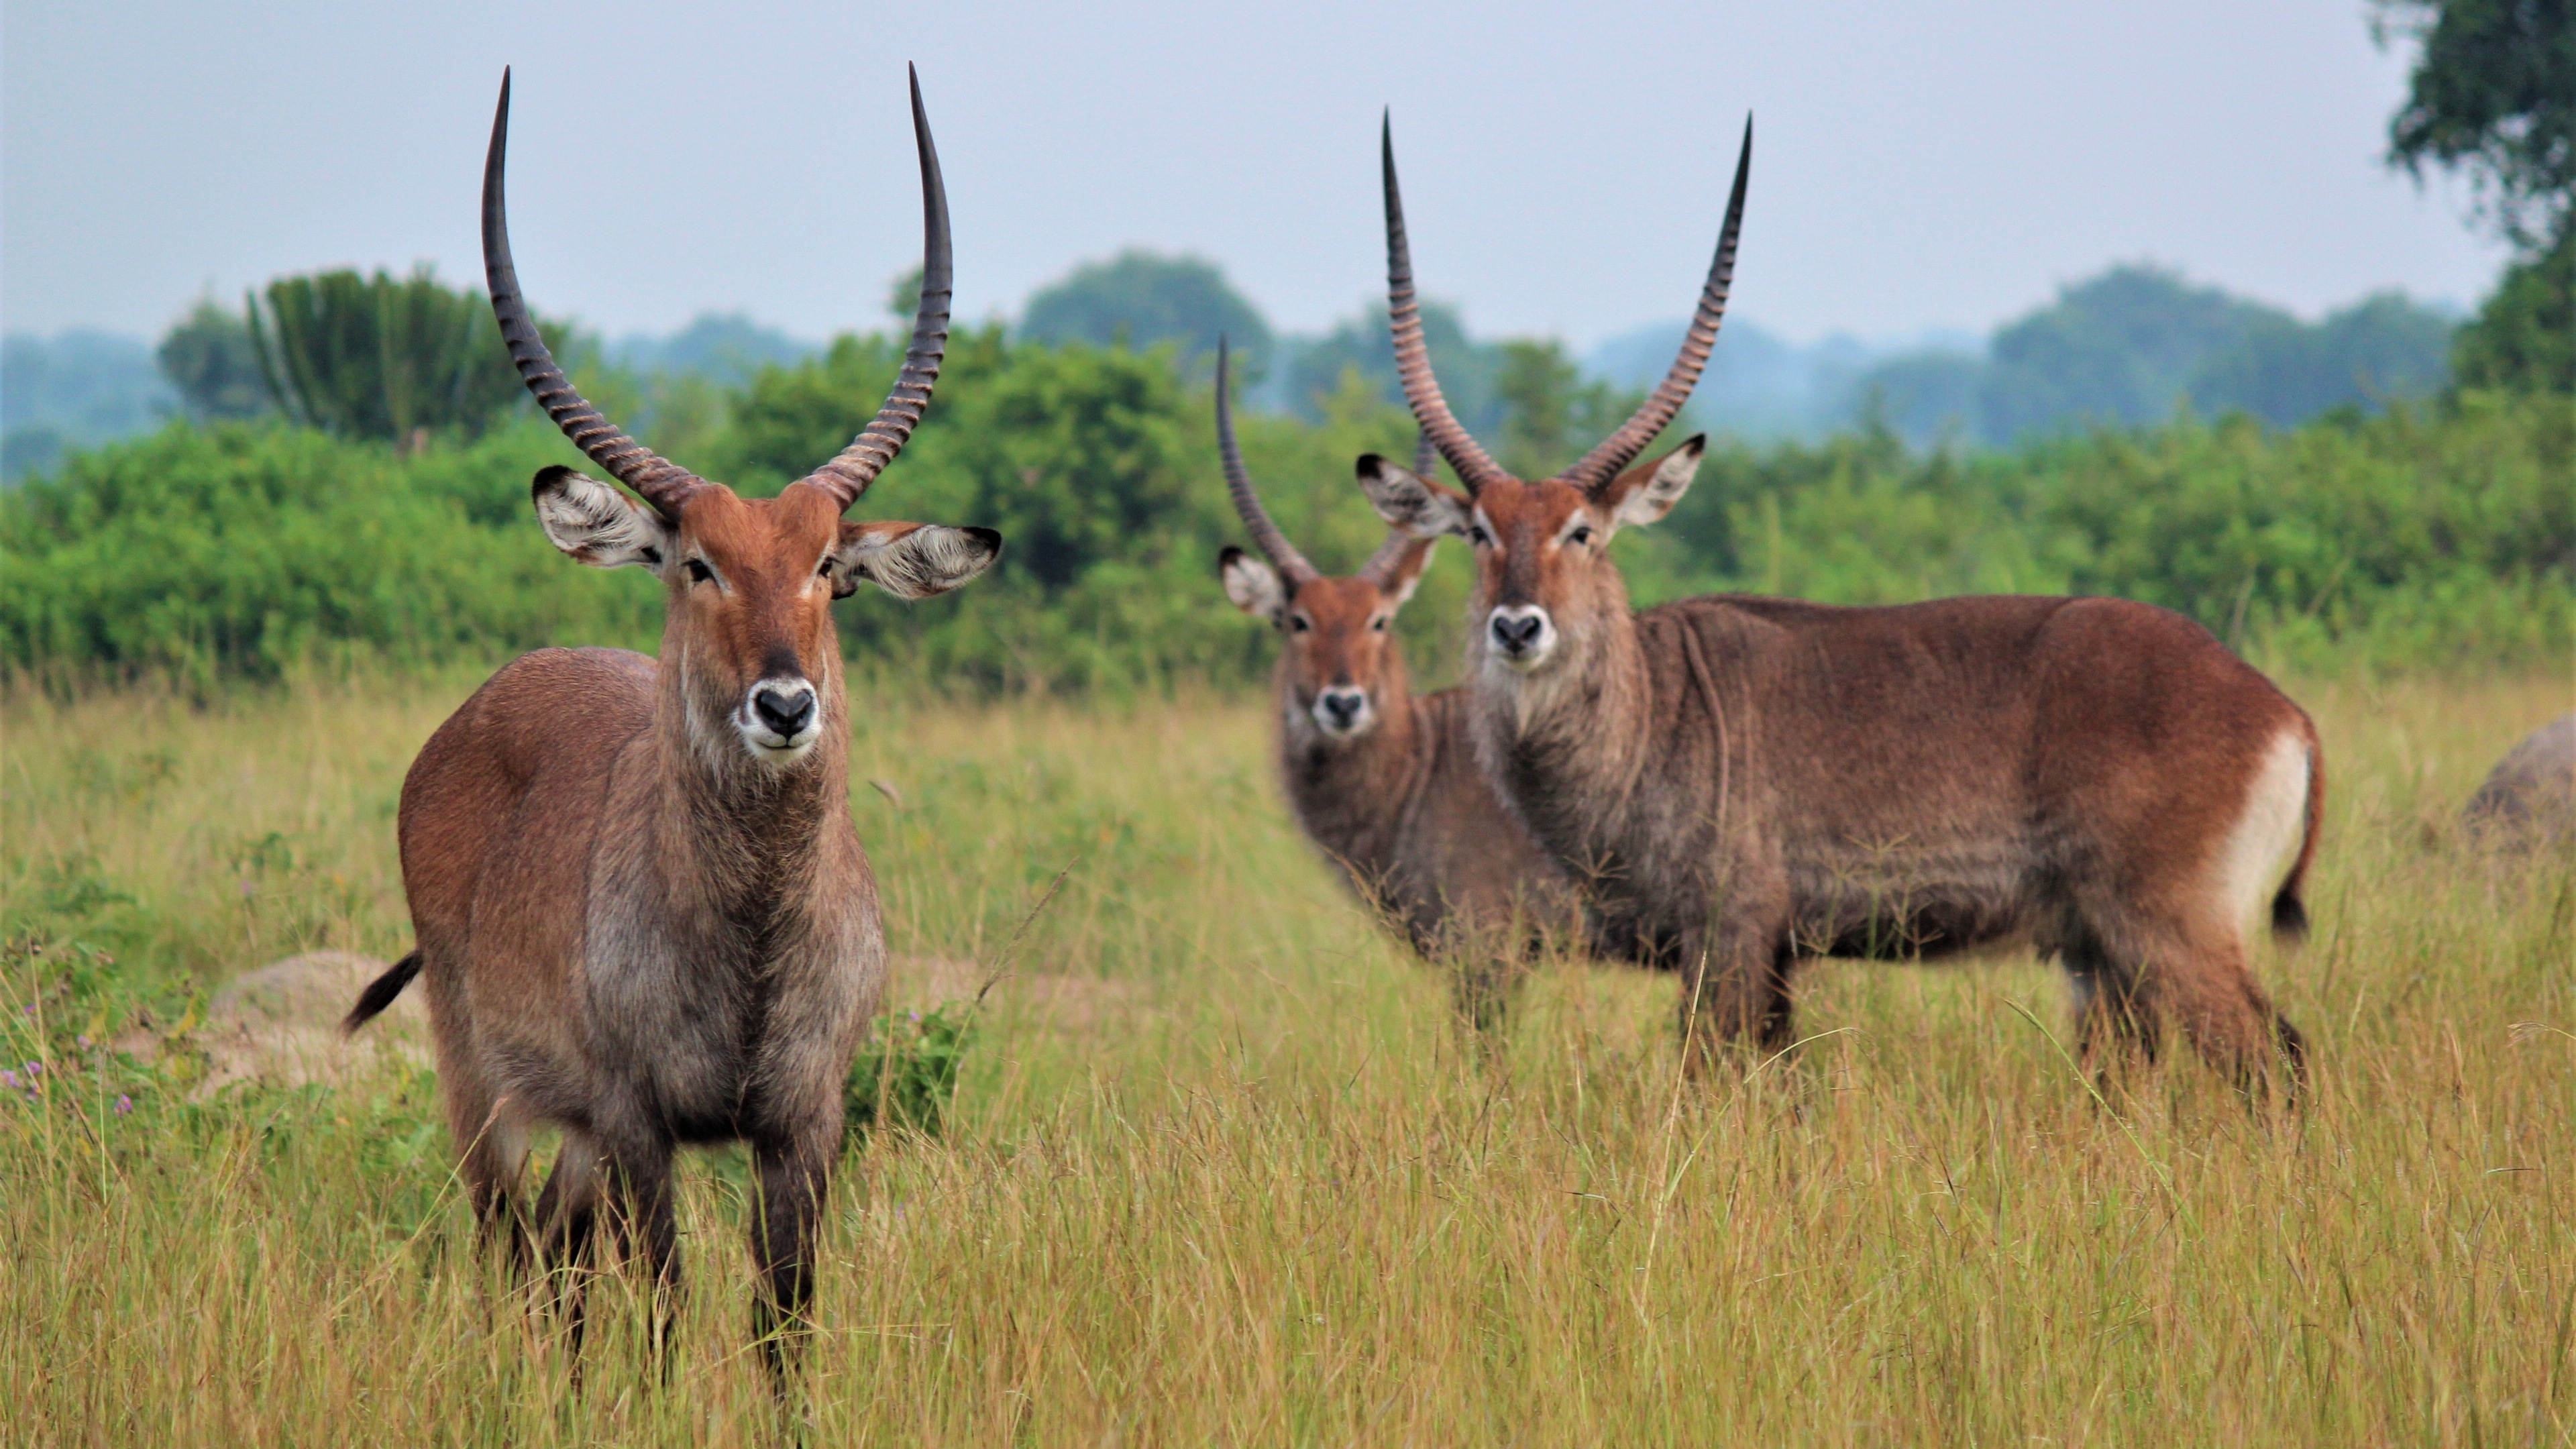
column 1518, row 634
column 1343, row 705
column 782, row 713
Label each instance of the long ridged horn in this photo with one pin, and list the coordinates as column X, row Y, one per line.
column 1381, row 564
column 1238, row 485
column 848, row 475
column 660, row 482
column 1621, row 448
column 1412, row 355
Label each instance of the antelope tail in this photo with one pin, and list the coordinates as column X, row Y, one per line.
column 380, row 993
column 2289, row 913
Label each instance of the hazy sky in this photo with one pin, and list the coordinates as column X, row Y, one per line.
column 1916, row 166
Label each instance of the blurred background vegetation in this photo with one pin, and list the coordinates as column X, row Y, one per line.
column 335, row 473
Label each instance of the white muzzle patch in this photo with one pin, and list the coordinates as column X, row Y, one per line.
column 780, row 719
column 1520, row 637
column 1341, row 712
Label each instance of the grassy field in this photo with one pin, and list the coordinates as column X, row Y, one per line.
column 1222, row 1170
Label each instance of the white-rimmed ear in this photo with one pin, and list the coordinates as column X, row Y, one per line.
column 1253, row 586
column 910, row 560
column 1418, row 506
column 595, row 523
column 1406, row 576
column 1646, row 493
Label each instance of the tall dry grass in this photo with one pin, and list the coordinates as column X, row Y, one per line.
column 1223, row 1171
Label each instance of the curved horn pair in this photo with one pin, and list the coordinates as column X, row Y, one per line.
column 657, row 480
column 1256, row 519
column 1604, row 462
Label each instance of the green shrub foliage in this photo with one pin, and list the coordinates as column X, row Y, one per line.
column 2432, row 536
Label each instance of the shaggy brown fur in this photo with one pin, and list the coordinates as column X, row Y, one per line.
column 634, row 922
column 1740, row 783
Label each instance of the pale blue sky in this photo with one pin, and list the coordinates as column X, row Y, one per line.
column 1916, row 167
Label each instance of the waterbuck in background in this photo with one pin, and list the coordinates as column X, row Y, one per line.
column 1385, row 781
column 641, row 909
column 1741, row 782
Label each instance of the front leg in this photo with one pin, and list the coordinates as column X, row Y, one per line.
column 1735, row 979
column 794, row 1175
column 643, row 1220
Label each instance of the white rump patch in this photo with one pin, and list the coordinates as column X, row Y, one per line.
column 2268, row 831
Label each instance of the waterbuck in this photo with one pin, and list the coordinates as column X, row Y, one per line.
column 1384, row 781
column 1740, row 782
column 641, row 910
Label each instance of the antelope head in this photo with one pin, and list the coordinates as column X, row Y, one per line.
column 1545, row 585
column 748, row 582
column 1342, row 668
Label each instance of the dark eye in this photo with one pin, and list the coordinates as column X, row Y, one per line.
column 825, row 571
column 1297, row 624
column 1478, row 537
column 1581, row 535
column 699, row 573
column 1378, row 623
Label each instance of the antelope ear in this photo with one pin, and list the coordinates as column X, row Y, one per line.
column 1254, row 587
column 595, row 523
column 1648, row 491
column 1406, row 576
column 909, row 560
column 1418, row 506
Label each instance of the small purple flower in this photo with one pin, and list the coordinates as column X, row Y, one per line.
column 246, row 890
column 82, row 1041
column 9, row 1080
column 916, row 1018
column 33, row 1069
column 124, row 1104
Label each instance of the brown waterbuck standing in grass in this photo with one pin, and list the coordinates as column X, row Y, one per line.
column 1740, row 782
column 640, row 906
column 1385, row 781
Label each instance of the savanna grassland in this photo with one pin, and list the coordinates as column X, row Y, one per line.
column 1221, row 1168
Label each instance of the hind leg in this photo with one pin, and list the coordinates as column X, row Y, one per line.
column 567, row 1218
column 2114, row 1024
column 2201, row 978
column 491, row 1138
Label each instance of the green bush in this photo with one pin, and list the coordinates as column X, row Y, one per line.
column 2440, row 535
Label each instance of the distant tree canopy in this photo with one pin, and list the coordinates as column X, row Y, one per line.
column 1142, row 298
column 384, row 357
column 2129, row 346
column 1470, row 371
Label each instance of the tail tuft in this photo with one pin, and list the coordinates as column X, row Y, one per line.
column 2289, row 915
column 380, row 993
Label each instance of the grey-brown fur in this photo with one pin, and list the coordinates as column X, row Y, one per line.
column 643, row 915
column 1409, row 819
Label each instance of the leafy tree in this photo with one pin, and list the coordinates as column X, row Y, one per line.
column 2525, row 335
column 2494, row 93
column 1140, row 299
column 385, row 358
column 209, row 357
